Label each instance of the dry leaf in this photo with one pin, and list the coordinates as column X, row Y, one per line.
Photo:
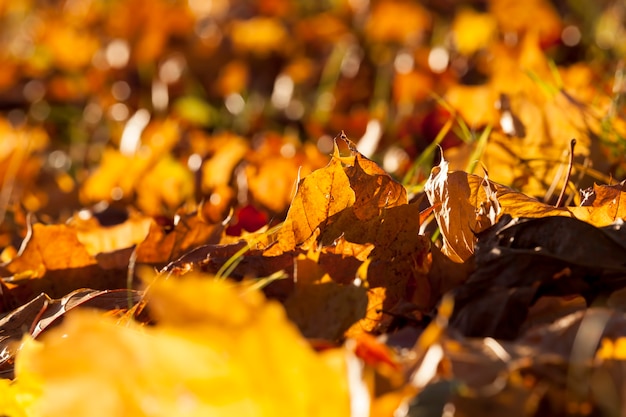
column 320, row 195
column 602, row 205
column 461, row 204
column 50, row 247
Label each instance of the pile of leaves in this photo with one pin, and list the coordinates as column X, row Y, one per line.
column 273, row 208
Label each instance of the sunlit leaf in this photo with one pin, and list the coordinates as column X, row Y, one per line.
column 460, row 200
column 603, row 205
column 98, row 239
column 473, row 31
column 259, row 35
column 320, row 195
column 536, row 15
column 39, row 255
column 179, row 366
column 397, row 21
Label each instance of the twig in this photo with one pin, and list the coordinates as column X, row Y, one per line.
column 572, row 144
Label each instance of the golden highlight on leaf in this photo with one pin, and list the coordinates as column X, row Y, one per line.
column 180, row 366
column 51, row 247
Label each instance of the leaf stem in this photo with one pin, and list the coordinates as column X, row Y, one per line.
column 572, row 144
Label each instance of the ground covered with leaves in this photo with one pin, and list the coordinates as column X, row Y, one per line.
column 302, row 208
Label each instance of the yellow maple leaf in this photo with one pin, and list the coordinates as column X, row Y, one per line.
column 218, row 349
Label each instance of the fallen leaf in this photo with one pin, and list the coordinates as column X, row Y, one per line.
column 42, row 312
column 320, row 195
column 164, row 244
column 259, row 35
column 99, row 239
column 397, row 21
column 602, row 205
column 473, row 31
column 462, row 204
column 37, row 255
column 52, row 260
column 178, row 365
column 325, row 310
column 519, row 260
column 373, row 188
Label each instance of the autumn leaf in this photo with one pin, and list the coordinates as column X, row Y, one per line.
column 602, row 205
column 165, row 243
column 100, row 239
column 519, row 260
column 297, row 274
column 332, row 197
column 38, row 256
column 42, row 312
column 60, row 268
column 259, row 35
column 473, row 31
column 320, row 195
column 374, row 189
column 183, row 356
column 397, row 21
column 463, row 203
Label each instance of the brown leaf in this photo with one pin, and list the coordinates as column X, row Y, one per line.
column 161, row 246
column 373, row 188
column 518, row 261
column 399, row 256
column 325, row 310
column 43, row 312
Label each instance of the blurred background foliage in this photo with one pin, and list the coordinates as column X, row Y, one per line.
column 210, row 105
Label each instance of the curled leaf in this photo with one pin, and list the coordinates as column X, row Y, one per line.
column 466, row 204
